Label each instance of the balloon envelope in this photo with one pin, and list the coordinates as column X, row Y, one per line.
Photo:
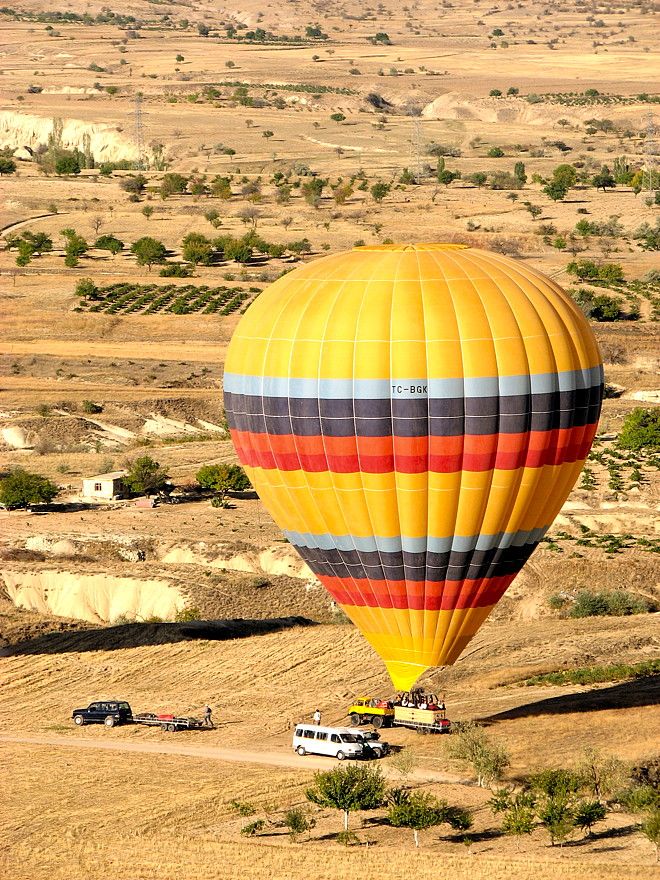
column 414, row 417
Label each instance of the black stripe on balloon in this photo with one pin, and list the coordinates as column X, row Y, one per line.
column 400, row 566
column 452, row 417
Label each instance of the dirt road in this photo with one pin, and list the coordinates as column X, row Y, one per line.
column 213, row 753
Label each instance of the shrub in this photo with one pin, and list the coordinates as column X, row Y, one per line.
column 20, row 489
column 617, row 603
column 641, row 429
column 297, row 821
column 91, row 408
column 253, row 828
column 495, row 153
column 176, row 270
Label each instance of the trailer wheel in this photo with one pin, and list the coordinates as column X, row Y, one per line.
column 110, row 721
column 340, row 756
column 171, row 728
column 163, row 726
column 356, row 720
column 79, row 720
column 301, row 751
column 377, row 721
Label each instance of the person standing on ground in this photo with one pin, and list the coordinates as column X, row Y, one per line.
column 317, row 716
column 208, row 722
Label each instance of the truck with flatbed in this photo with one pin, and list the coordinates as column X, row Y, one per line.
column 415, row 710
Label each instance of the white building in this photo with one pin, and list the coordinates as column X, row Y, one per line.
column 104, row 486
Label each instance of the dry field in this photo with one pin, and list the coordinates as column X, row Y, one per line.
column 136, row 802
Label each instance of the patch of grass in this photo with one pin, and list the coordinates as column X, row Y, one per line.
column 596, row 674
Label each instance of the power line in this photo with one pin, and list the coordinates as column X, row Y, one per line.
column 139, row 132
column 650, row 153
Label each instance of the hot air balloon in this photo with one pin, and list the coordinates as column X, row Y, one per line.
column 414, row 417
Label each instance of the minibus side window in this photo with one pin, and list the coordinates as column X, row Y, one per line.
column 321, row 734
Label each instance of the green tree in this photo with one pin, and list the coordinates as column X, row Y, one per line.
column 20, row 489
column 74, row 248
column 478, row 178
column 519, row 173
column 566, row 175
column 223, row 478
column 312, row 190
column 109, row 243
column 534, row 210
column 337, row 117
column 7, row 165
column 588, row 814
column 355, row 787
column 557, row 817
column 134, row 184
column 145, row 477
column 379, row 191
column 471, row 744
column 148, row 251
column 172, row 184
column 221, row 187
column 555, row 190
column 519, row 814
column 197, row 248
column 651, row 829
column 67, row 163
column 641, row 429
column 239, row 250
column 420, row 810
column 86, row 289
column 604, row 179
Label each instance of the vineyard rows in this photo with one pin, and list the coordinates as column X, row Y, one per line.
column 146, row 299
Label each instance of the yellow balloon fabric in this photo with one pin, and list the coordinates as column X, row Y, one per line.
column 414, row 417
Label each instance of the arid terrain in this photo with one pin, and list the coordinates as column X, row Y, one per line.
column 310, row 128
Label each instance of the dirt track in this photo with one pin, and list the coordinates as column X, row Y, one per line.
column 242, row 756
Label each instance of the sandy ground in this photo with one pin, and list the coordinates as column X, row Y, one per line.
column 171, row 812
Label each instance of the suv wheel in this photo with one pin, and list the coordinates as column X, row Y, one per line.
column 110, row 721
column 79, row 720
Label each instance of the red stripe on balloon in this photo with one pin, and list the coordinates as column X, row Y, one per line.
column 418, row 596
column 413, row 455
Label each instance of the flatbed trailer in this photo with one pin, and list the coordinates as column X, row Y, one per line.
column 170, row 723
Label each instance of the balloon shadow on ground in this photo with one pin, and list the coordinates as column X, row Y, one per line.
column 638, row 692
column 137, row 635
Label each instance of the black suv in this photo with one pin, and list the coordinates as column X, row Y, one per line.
column 109, row 712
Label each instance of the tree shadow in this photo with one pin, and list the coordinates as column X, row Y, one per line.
column 137, row 635
column 626, row 695
column 605, row 834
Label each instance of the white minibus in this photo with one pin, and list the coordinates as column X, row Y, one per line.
column 337, row 742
